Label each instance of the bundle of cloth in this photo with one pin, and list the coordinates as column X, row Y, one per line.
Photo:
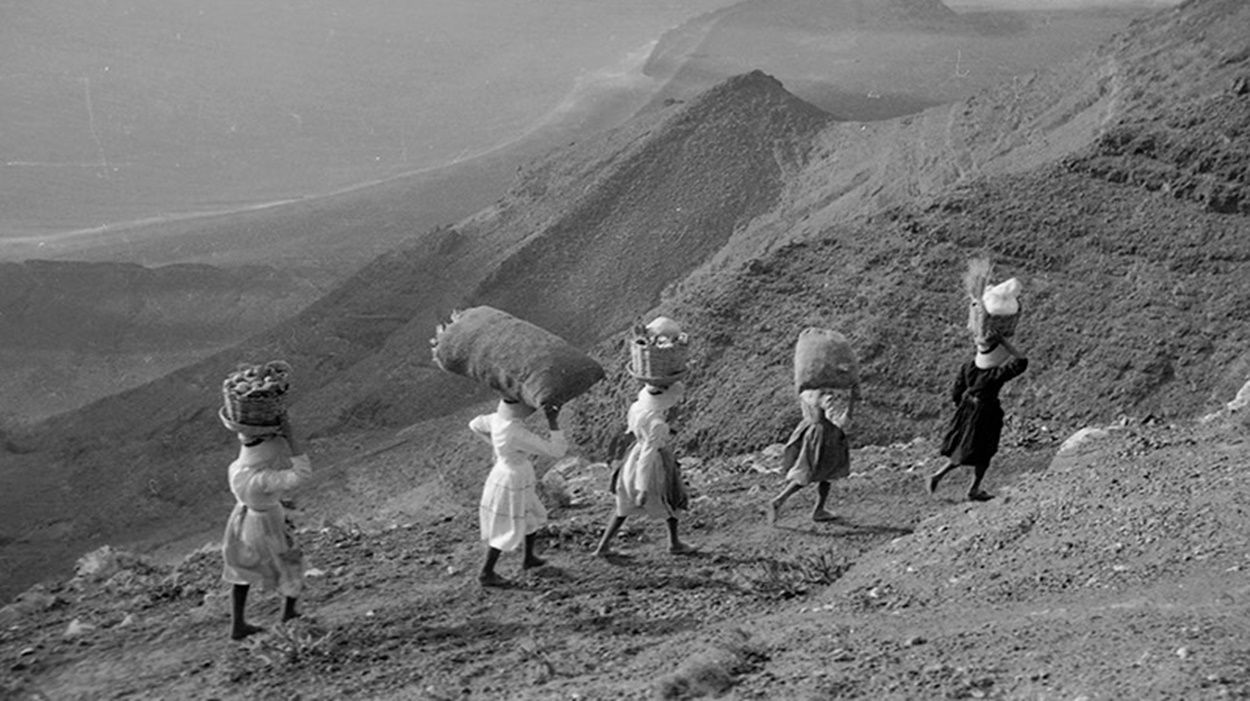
column 993, row 310
column 517, row 359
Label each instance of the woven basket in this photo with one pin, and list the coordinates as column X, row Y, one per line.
column 1004, row 325
column 253, row 411
column 651, row 362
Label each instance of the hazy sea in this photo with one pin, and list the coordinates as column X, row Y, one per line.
column 115, row 111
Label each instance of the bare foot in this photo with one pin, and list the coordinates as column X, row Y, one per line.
column 492, row 580
column 933, row 481
column 822, row 515
column 979, row 495
column 771, row 511
column 532, row 562
column 681, row 549
column 240, row 632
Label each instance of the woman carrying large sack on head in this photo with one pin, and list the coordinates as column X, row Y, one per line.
column 510, row 512
column 258, row 546
column 818, row 451
column 529, row 367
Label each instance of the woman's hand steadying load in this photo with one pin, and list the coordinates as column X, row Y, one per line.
column 286, row 430
column 553, row 417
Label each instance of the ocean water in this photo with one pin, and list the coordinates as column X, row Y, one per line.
column 115, row 111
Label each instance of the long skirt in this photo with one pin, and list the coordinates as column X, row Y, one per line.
column 816, row 452
column 258, row 548
column 510, row 508
column 974, row 431
column 653, row 475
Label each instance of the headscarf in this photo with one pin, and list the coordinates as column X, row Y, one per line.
column 663, row 400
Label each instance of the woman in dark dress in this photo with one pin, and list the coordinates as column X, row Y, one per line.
column 972, row 438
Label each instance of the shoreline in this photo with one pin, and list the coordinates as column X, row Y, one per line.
column 605, row 99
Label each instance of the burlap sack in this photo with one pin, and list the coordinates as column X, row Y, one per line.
column 823, row 358
column 514, row 357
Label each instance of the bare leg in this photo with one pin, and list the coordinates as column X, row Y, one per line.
column 822, row 497
column 531, row 560
column 674, row 544
column 974, row 490
column 288, row 609
column 239, row 628
column 937, row 476
column 488, row 577
column 605, row 543
column 774, row 506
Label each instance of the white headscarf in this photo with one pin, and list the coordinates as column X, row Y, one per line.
column 993, row 358
column 665, row 399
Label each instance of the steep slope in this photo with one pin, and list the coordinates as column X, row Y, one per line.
column 1112, row 569
column 71, row 332
column 1136, row 292
column 656, row 209
column 361, row 352
column 154, row 454
column 1183, row 127
column 869, row 60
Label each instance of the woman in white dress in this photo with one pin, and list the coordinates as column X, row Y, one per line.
column 258, row 547
column 649, row 482
column 511, row 512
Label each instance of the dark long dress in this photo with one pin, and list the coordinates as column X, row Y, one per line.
column 972, row 437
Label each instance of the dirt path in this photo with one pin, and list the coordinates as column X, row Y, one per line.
column 1114, row 572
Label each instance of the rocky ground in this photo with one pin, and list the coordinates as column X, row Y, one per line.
column 1113, row 566
column 1110, row 569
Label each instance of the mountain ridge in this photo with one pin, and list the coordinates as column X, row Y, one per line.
column 740, row 394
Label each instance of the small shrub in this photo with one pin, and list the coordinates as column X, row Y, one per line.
column 781, row 579
column 290, row 642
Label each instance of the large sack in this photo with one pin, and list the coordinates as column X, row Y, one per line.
column 823, row 359
column 514, row 357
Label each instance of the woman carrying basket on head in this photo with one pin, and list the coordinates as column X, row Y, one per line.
column 649, row 480
column 258, row 546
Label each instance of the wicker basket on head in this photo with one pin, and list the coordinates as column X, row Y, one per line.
column 255, row 395
column 253, row 411
column 657, row 360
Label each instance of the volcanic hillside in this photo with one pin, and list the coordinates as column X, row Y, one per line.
column 748, row 205
column 1109, row 567
column 75, row 330
column 688, row 177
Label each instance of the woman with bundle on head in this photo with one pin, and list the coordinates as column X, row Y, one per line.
column 529, row 367
column 649, row 480
column 258, row 546
column 817, row 451
column 977, row 425
column 511, row 512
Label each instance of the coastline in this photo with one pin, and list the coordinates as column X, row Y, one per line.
column 598, row 100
